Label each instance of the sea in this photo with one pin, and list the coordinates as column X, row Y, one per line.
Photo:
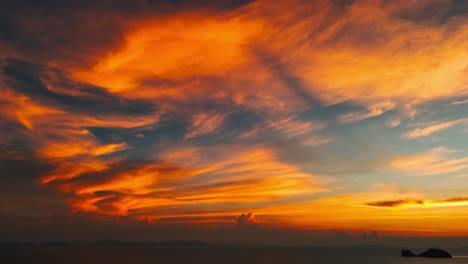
column 211, row 255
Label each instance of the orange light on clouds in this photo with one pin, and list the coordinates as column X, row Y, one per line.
column 435, row 161
column 68, row 170
column 174, row 47
column 368, row 54
column 249, row 103
column 249, row 177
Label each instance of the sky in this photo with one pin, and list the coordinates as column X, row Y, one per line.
column 213, row 118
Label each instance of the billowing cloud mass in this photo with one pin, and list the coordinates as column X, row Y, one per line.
column 195, row 113
column 246, row 221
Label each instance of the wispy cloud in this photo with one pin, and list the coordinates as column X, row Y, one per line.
column 306, row 132
column 460, row 102
column 205, row 124
column 199, row 178
column 435, row 161
column 455, row 201
column 394, row 123
column 393, row 58
column 373, row 111
column 395, row 203
column 428, row 130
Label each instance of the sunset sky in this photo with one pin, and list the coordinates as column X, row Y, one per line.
column 309, row 115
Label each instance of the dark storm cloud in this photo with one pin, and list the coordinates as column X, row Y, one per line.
column 30, row 79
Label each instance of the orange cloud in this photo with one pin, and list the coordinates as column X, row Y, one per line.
column 457, row 201
column 86, row 147
column 174, row 47
column 67, row 170
column 204, row 178
column 62, row 134
column 368, row 53
column 24, row 109
column 246, row 221
column 434, row 161
column 205, row 124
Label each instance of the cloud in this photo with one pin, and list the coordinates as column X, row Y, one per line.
column 295, row 128
column 69, row 149
column 461, row 102
column 434, row 161
column 381, row 44
column 306, row 132
column 377, row 54
column 299, row 50
column 395, row 203
column 426, row 131
column 456, row 201
column 246, row 221
column 394, row 123
column 54, row 113
column 205, row 124
column 54, row 86
column 374, row 110
column 194, row 179
column 178, row 49
column 67, row 170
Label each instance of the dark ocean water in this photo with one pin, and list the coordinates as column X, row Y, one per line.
column 209, row 255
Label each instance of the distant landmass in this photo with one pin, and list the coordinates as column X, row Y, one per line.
column 430, row 253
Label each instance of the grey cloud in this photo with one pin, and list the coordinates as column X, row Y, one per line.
column 30, row 79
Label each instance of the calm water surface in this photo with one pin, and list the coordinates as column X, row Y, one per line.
column 209, row 255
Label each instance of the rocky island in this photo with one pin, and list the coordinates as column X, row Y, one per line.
column 430, row 253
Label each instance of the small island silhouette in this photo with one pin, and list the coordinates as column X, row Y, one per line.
column 430, row 253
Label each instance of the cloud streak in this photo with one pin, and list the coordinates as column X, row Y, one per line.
column 426, row 131
column 455, row 201
column 432, row 162
column 238, row 176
